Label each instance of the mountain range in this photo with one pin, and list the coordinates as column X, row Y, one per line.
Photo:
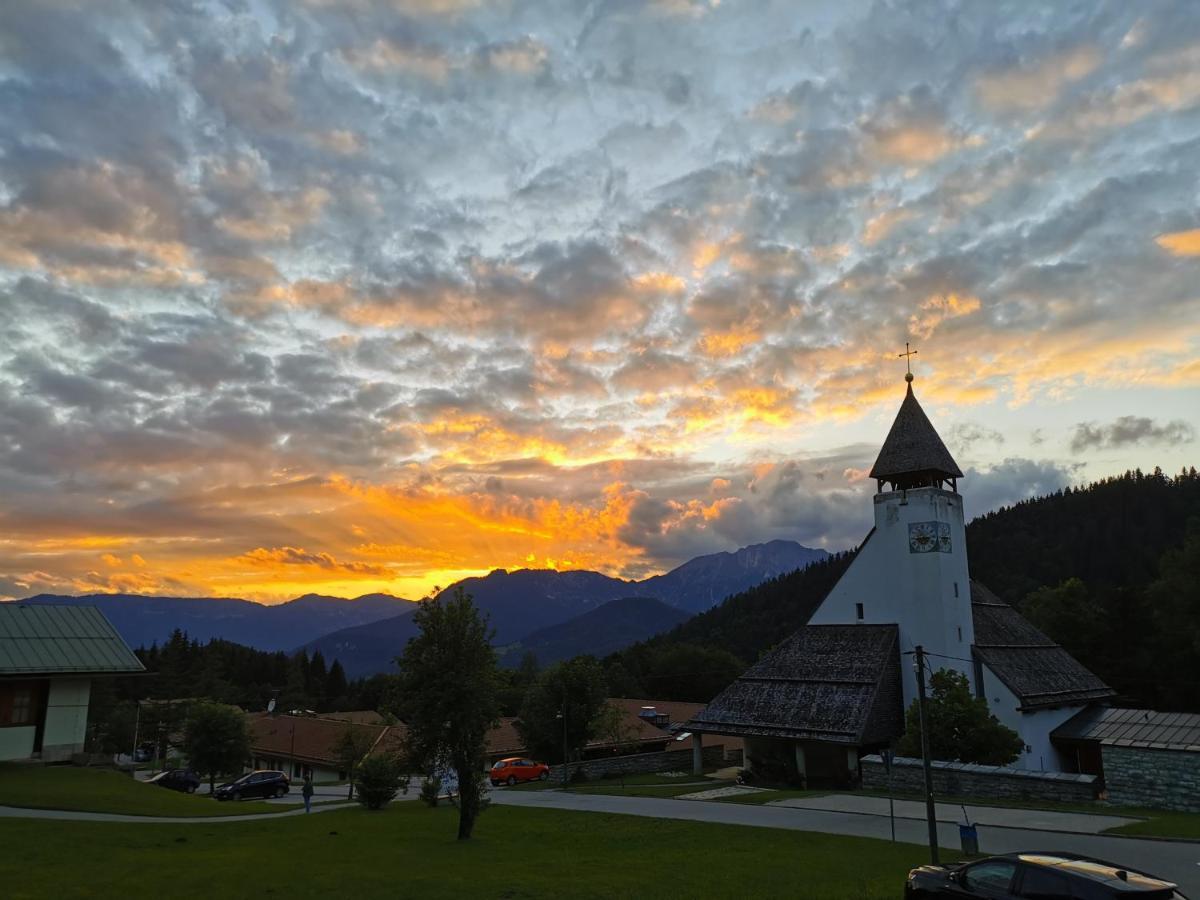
column 528, row 600
column 143, row 620
column 524, row 607
column 601, row 631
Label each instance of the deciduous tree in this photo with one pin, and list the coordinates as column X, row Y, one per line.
column 574, row 689
column 449, row 695
column 961, row 729
column 350, row 749
column 216, row 740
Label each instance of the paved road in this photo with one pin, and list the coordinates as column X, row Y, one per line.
column 1180, row 862
column 1029, row 819
column 20, row 812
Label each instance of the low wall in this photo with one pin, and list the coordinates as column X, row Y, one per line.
column 664, row 761
column 970, row 780
column 1160, row 779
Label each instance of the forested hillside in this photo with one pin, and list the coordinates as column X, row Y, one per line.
column 1109, row 534
column 1111, row 571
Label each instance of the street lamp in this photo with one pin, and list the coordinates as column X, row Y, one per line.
column 563, row 715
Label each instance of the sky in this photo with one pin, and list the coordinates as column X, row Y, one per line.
column 372, row 295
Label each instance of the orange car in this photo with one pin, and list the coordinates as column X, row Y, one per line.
column 515, row 768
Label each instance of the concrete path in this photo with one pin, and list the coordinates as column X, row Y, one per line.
column 1179, row 862
column 733, row 790
column 1033, row 819
column 72, row 815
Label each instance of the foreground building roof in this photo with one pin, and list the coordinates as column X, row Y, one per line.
column 59, row 640
column 1038, row 671
column 834, row 683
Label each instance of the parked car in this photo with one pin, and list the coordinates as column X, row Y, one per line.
column 177, row 780
column 1045, row 876
column 262, row 783
column 515, row 768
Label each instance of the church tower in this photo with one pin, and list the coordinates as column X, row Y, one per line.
column 912, row 568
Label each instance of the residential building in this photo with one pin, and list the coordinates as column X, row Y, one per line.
column 48, row 658
column 299, row 744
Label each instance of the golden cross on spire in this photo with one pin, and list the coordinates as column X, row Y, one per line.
column 907, row 356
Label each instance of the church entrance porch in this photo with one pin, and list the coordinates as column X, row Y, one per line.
column 803, row 764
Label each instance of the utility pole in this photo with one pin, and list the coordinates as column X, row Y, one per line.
column 930, row 812
column 564, row 718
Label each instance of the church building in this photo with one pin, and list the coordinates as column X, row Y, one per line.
column 838, row 687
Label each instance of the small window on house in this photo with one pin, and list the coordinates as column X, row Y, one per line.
column 960, row 634
column 16, row 704
column 858, row 611
column 956, row 594
column 22, row 706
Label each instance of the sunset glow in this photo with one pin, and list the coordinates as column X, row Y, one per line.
column 298, row 300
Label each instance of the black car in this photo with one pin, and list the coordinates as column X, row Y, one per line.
column 1044, row 876
column 263, row 783
column 177, row 780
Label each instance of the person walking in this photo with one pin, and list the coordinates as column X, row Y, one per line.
column 307, row 792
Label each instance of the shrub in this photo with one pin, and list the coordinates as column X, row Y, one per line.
column 379, row 780
column 431, row 789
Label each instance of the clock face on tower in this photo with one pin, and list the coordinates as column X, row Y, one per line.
column 929, row 537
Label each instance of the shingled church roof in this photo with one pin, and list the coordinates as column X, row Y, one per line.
column 836, row 683
column 913, row 446
column 1038, row 671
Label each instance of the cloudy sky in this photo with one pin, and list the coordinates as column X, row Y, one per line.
column 345, row 295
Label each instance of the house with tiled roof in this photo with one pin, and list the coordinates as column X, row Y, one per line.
column 651, row 726
column 838, row 688
column 299, row 744
column 48, row 658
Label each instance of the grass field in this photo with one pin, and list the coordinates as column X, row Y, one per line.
column 639, row 790
column 409, row 850
column 772, row 796
column 103, row 790
column 1163, row 824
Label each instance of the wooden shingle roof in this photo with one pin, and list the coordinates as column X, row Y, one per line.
column 836, row 683
column 1038, row 671
column 913, row 446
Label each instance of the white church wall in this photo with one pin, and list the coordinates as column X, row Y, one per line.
column 927, row 595
column 1033, row 727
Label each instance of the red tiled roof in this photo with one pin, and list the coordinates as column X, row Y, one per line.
column 313, row 739
column 504, row 739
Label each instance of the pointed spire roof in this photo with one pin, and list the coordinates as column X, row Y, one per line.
column 913, row 448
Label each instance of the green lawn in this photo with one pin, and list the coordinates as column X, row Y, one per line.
column 1163, row 824
column 104, row 790
column 639, row 790
column 409, row 850
column 771, row 796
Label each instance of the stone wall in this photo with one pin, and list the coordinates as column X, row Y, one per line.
column 969, row 780
column 664, row 761
column 1160, row 779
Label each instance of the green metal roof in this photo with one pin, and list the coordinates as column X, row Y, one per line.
column 49, row 640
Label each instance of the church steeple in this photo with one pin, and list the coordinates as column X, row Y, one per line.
column 913, row 455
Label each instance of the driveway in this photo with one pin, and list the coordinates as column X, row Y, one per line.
column 1179, row 862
